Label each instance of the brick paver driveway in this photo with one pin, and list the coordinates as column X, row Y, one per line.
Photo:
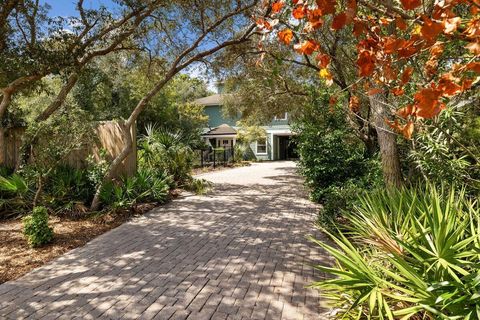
column 238, row 253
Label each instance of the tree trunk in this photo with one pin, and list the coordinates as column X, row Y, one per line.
column 60, row 98
column 2, row 145
column 112, row 169
column 6, row 99
column 142, row 104
column 387, row 141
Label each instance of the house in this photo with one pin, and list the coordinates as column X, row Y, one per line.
column 222, row 132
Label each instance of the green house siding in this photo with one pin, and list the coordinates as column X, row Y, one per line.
column 275, row 123
column 274, row 129
column 216, row 117
column 269, row 154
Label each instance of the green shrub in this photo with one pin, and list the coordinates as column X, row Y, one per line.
column 412, row 253
column 36, row 229
column 16, row 195
column 67, row 185
column 243, row 152
column 165, row 151
column 145, row 186
column 334, row 162
column 199, row 186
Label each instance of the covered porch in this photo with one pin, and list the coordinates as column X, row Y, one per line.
column 223, row 136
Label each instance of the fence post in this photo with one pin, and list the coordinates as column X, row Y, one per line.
column 233, row 154
column 224, row 157
column 201, row 158
column 214, row 154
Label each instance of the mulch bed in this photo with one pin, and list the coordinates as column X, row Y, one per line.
column 17, row 258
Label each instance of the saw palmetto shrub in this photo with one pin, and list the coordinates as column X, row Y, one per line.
column 407, row 254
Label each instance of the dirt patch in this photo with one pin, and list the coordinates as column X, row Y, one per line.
column 17, row 258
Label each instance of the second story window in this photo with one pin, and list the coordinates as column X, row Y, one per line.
column 281, row 116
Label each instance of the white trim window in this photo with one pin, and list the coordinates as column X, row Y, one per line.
column 261, row 146
column 279, row 117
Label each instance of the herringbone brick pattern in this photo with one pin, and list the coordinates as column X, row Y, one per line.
column 238, row 253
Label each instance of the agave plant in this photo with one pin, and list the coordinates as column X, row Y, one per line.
column 407, row 254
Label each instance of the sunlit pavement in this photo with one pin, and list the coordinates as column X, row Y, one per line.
column 238, row 253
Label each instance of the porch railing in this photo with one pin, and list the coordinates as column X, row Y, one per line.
column 213, row 157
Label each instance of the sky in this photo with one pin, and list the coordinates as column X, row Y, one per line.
column 66, row 8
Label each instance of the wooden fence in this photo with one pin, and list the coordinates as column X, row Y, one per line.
column 109, row 137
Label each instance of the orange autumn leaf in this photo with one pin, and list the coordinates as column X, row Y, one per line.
column 354, row 104
column 407, row 130
column 427, row 102
column 400, row 23
column 448, row 85
column 389, row 72
column 358, row 28
column 406, row 111
column 474, row 10
column 264, row 24
column 326, row 6
column 431, row 29
column 395, row 125
column 366, row 62
column 339, row 21
column 351, row 11
column 474, row 66
column 406, row 48
column 474, row 47
column 277, row 6
column 467, row 84
column 390, row 45
column 374, row 91
column 299, row 12
column 397, row 91
column 307, row 47
column 406, row 75
column 411, row 4
column 315, row 18
column 431, row 66
column 286, row 36
column 323, row 60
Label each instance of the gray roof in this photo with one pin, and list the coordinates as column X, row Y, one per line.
column 223, row 129
column 213, row 100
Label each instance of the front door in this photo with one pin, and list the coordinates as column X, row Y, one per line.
column 283, row 148
column 286, row 148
